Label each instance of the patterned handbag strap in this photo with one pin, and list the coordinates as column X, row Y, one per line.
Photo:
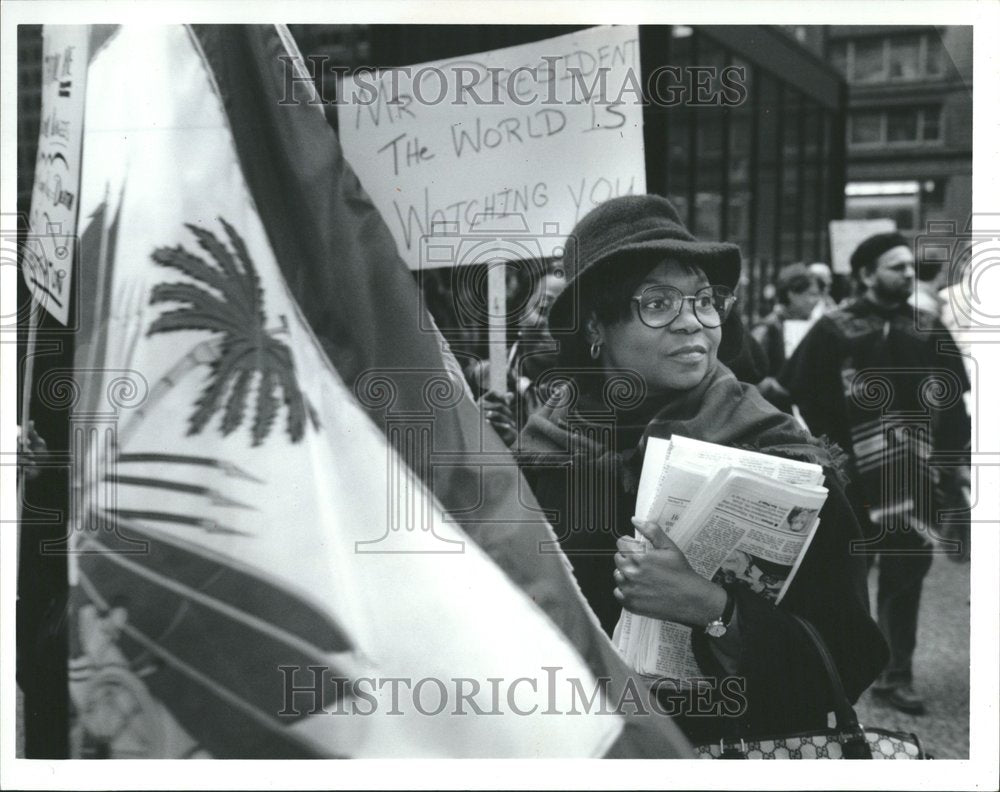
column 847, row 718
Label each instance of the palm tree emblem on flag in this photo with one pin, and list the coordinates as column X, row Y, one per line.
column 247, row 347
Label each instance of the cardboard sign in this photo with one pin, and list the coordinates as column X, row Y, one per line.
column 846, row 235
column 47, row 264
column 540, row 133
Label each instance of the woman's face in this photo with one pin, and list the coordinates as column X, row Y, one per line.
column 671, row 358
column 536, row 315
column 801, row 304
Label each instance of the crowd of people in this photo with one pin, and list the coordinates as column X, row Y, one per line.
column 869, row 389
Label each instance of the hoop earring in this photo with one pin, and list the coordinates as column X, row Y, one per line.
column 595, row 350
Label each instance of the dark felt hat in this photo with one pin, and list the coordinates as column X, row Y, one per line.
column 640, row 225
column 866, row 254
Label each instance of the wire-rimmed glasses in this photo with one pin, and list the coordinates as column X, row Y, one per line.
column 659, row 306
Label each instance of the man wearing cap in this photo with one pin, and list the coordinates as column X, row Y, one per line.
column 883, row 386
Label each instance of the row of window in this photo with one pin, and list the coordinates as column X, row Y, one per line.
column 895, row 126
column 761, row 174
column 896, row 58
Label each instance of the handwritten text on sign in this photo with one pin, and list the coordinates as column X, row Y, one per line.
column 47, row 262
column 544, row 132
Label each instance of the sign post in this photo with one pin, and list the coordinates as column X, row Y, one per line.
column 498, row 327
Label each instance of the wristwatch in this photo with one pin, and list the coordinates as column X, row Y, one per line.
column 717, row 627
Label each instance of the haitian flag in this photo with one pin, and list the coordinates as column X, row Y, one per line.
column 295, row 536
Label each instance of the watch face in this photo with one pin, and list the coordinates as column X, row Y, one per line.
column 716, row 629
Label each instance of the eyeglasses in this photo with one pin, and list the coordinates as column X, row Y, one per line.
column 659, row 306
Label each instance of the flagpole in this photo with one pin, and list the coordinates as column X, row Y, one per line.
column 26, row 388
column 498, row 328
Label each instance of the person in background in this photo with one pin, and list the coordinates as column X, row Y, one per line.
column 962, row 314
column 860, row 376
column 824, row 279
column 798, row 293
column 952, row 305
column 749, row 362
column 531, row 354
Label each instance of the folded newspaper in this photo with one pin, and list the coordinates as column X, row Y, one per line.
column 740, row 517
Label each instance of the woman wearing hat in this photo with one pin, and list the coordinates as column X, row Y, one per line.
column 643, row 324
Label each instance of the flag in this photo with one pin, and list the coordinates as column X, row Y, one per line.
column 295, row 537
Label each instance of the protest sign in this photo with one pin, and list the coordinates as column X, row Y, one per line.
column 545, row 131
column 54, row 199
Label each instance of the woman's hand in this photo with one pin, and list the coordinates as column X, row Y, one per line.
column 497, row 411
column 660, row 583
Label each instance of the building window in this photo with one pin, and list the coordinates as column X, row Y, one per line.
column 893, row 59
column 931, row 119
column 838, row 56
column 866, row 128
column 934, row 61
column 901, row 125
column 895, row 126
column 869, row 60
column 904, row 58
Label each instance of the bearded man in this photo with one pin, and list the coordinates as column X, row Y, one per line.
column 887, row 385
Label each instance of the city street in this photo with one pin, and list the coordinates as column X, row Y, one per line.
column 941, row 666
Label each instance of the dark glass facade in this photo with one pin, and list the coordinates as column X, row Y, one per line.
column 763, row 173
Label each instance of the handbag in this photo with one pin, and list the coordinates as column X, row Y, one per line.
column 848, row 739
